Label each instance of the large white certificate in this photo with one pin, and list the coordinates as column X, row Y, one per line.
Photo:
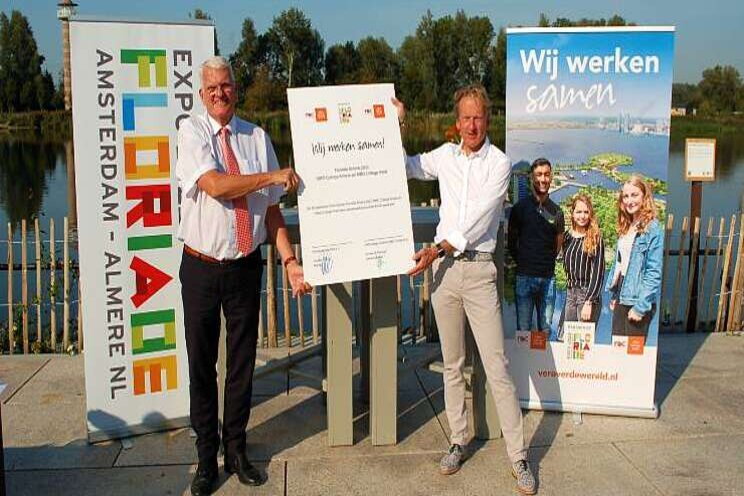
column 355, row 217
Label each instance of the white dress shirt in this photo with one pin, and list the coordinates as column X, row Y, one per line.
column 208, row 224
column 473, row 188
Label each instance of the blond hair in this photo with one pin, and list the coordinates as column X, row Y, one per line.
column 592, row 235
column 476, row 91
column 648, row 210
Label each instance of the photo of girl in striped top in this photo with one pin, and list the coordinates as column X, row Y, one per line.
column 583, row 260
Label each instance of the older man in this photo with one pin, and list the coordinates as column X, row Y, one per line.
column 230, row 182
column 473, row 180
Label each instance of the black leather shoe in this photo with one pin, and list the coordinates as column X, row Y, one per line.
column 204, row 480
column 247, row 473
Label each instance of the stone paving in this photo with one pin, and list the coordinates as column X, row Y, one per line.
column 695, row 447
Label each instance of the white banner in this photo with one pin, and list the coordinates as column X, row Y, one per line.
column 355, row 219
column 132, row 83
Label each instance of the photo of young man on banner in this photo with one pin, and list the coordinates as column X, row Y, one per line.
column 593, row 105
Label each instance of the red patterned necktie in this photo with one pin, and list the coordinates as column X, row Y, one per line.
column 243, row 220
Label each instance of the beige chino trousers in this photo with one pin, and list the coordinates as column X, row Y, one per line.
column 470, row 289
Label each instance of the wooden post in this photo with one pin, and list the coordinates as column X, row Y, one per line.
column 364, row 323
column 11, row 319
column 696, row 201
column 720, row 325
column 691, row 300
column 53, row 288
column 383, row 353
column 701, row 290
column 399, row 307
column 80, row 318
column 271, row 296
column 715, row 285
column 300, row 311
column 38, row 279
column 735, row 281
column 337, row 326
column 66, row 287
column 314, row 311
column 24, row 285
column 678, row 276
column 667, row 248
column 285, row 307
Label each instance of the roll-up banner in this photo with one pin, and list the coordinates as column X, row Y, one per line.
column 594, row 102
column 132, row 84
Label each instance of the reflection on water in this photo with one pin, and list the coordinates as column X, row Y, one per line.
column 27, row 171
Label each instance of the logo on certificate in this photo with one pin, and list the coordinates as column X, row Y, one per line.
column 538, row 340
column 635, row 345
column 379, row 111
column 579, row 339
column 620, row 343
column 321, row 114
column 522, row 339
column 344, row 113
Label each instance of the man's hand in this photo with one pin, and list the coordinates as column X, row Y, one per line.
column 447, row 247
column 400, row 108
column 286, row 177
column 633, row 316
column 424, row 258
column 612, row 305
column 586, row 311
column 297, row 279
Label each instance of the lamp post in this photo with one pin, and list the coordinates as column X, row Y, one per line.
column 65, row 10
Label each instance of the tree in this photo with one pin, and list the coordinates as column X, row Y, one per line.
column 563, row 22
column 244, row 59
column 497, row 80
column 341, row 64
column 377, row 61
column 264, row 93
column 203, row 15
column 418, row 82
column 443, row 55
column 719, row 87
column 293, row 50
column 686, row 96
column 23, row 85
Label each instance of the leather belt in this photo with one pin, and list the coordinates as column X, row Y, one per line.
column 475, row 256
column 206, row 258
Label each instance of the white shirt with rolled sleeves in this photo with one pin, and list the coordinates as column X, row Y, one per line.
column 472, row 188
column 208, row 224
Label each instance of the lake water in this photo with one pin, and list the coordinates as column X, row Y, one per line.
column 34, row 182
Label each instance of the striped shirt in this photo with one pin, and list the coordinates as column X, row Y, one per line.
column 582, row 270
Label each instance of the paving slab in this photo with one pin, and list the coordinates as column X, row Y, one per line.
column 592, row 470
column 294, row 426
column 60, row 381
column 698, row 466
column 16, row 370
column 48, row 436
column 155, row 480
column 702, row 355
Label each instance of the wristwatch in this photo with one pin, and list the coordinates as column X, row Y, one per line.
column 440, row 251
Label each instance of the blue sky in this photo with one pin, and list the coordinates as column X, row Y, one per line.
column 708, row 32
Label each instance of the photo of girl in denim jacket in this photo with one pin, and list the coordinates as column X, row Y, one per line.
column 634, row 282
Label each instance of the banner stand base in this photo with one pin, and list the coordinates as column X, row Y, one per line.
column 557, row 406
column 118, row 432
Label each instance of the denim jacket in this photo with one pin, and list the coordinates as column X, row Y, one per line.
column 642, row 282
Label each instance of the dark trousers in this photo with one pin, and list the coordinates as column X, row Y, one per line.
column 236, row 289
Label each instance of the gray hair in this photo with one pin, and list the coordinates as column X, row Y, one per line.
column 216, row 62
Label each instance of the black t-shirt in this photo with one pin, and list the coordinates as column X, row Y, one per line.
column 533, row 229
